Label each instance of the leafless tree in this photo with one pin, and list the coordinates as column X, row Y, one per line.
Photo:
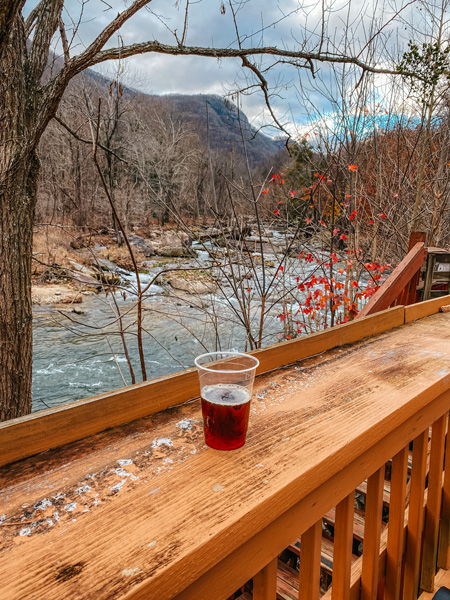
column 30, row 94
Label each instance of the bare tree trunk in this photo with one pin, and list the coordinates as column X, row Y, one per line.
column 19, row 169
column 17, row 205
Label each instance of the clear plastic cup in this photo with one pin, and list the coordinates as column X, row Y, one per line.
column 226, row 387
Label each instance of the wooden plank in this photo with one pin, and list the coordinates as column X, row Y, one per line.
column 371, row 553
column 310, row 554
column 396, row 529
column 443, row 560
column 396, row 282
column 287, row 582
column 430, row 537
column 291, row 351
column 416, row 517
column 343, row 540
column 218, row 518
column 424, row 309
column 26, row 436
column 265, row 582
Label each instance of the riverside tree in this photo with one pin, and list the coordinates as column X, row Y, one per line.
column 30, row 94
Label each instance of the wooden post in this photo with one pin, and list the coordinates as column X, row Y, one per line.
column 343, row 540
column 265, row 582
column 412, row 297
column 428, row 283
column 372, row 534
column 396, row 525
column 310, row 553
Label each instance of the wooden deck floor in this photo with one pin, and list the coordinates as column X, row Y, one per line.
column 116, row 514
column 442, row 579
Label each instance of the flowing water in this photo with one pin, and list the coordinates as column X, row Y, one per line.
column 79, row 355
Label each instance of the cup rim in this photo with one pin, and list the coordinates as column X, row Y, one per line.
column 230, row 353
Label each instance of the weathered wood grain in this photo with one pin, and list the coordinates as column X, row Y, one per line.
column 159, row 515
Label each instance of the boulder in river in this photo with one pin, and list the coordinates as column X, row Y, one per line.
column 140, row 244
column 192, row 286
column 174, row 252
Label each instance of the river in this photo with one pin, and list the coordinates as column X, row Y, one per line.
column 79, row 355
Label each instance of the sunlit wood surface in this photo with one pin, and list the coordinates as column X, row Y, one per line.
column 145, row 509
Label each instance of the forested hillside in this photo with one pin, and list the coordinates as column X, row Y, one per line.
column 161, row 154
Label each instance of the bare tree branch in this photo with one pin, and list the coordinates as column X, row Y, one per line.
column 154, row 46
column 80, row 139
column 65, row 43
column 85, row 58
column 47, row 19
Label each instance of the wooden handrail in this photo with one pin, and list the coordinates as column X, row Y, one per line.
column 145, row 510
column 397, row 281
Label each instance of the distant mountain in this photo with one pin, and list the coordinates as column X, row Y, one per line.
column 216, row 120
column 219, row 122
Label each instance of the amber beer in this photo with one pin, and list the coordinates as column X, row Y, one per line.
column 225, row 409
column 226, row 384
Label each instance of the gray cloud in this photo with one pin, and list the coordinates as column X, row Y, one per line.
column 261, row 22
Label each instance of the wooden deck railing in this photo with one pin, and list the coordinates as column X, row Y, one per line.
column 400, row 286
column 190, row 523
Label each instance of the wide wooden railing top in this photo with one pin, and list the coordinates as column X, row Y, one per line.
column 146, row 510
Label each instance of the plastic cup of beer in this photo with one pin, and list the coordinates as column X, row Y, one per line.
column 226, row 386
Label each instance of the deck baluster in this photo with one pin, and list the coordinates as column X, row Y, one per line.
column 343, row 539
column 310, row 553
column 433, row 504
column 444, row 534
column 265, row 582
column 395, row 544
column 416, row 517
column 372, row 534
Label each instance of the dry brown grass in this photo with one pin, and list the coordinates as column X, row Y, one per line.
column 121, row 256
column 51, row 245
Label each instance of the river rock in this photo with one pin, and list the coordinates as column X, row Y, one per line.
column 81, row 268
column 174, row 252
column 191, row 286
column 54, row 294
column 140, row 244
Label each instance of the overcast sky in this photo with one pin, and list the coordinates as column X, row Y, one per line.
column 261, row 22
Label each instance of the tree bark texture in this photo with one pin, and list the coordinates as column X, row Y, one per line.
column 19, row 169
